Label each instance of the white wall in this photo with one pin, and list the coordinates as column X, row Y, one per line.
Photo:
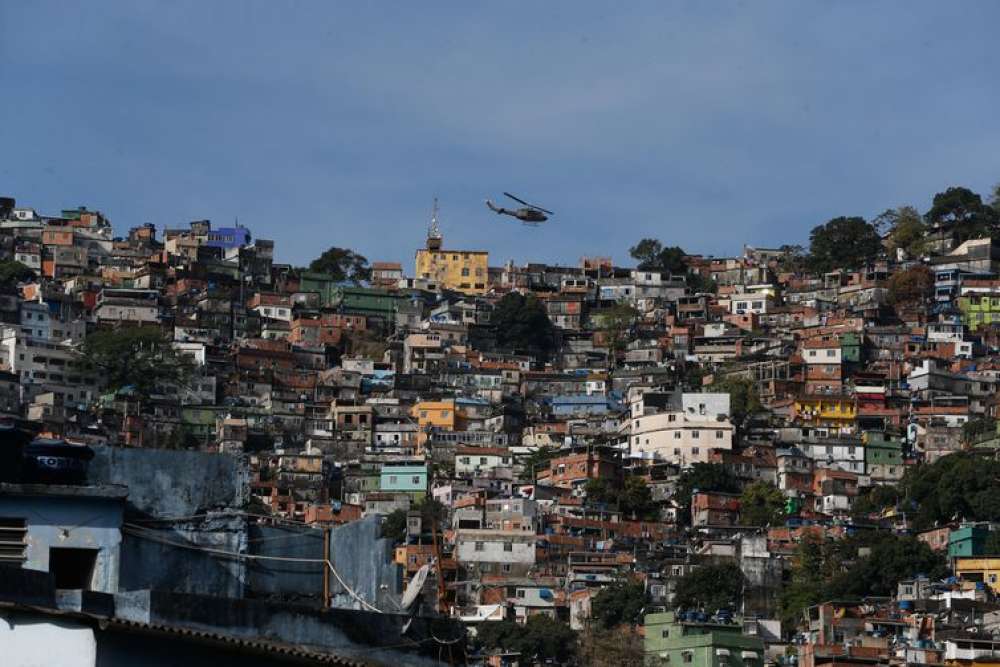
column 30, row 641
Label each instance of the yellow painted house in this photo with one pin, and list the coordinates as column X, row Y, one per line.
column 439, row 415
column 460, row 270
column 986, row 570
column 825, row 410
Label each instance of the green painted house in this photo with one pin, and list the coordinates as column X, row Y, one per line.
column 883, row 456
column 979, row 310
column 700, row 643
column 404, row 479
column 967, row 541
column 850, row 348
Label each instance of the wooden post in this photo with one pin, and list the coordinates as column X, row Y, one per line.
column 326, row 567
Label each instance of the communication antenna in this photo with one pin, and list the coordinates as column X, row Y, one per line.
column 434, row 232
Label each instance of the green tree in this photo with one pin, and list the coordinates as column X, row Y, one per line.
column 701, row 477
column 793, row 259
column 699, row 284
column 964, row 211
column 960, row 486
column 616, row 322
column 911, row 287
column 431, row 512
column 522, row 325
column 995, row 198
column 711, row 587
column 343, row 264
column 992, row 545
column 867, row 563
column 139, row 358
column 762, row 504
column 843, row 243
column 907, row 230
column 653, row 256
column 634, row 498
column 13, row 272
column 744, row 399
column 875, row 500
column 394, row 526
column 980, row 428
column 620, row 602
column 540, row 638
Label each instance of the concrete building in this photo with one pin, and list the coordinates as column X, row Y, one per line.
column 695, row 639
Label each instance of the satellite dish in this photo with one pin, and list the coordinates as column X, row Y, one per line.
column 415, row 586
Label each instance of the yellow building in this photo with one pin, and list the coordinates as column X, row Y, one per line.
column 825, row 410
column 986, row 570
column 436, row 415
column 460, row 270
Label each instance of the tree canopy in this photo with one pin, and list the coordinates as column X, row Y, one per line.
column 616, row 322
column 906, row 229
column 621, row 602
column 762, row 504
column 864, row 564
column 963, row 210
column 843, row 243
column 522, row 325
column 140, row 358
column 912, row 286
column 960, row 486
column 343, row 264
column 540, row 638
column 652, row 255
column 633, row 498
column 13, row 272
column 744, row 399
column 711, row 587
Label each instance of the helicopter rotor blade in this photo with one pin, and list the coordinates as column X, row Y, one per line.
column 521, row 201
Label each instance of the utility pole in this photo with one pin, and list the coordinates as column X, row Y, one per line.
column 326, row 567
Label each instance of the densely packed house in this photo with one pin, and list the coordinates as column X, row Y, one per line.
column 197, row 436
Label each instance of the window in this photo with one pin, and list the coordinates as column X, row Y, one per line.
column 507, row 546
column 13, row 548
column 392, row 479
column 520, row 592
column 695, row 434
column 671, row 418
column 665, row 633
column 677, row 435
column 73, row 568
column 480, row 546
column 695, row 451
column 686, row 656
column 718, row 435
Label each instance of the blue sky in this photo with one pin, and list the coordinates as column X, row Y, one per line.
column 704, row 124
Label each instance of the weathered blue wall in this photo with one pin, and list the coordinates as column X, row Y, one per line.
column 363, row 558
column 167, row 483
column 283, row 580
column 148, row 562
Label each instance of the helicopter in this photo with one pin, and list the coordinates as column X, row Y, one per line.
column 529, row 214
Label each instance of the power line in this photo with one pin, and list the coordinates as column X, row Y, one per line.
column 144, row 533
